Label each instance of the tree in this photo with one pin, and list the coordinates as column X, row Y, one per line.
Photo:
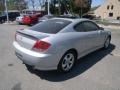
column 20, row 4
column 82, row 3
column 33, row 3
column 82, row 6
column 58, row 6
column 41, row 2
column 70, row 6
column 17, row 4
column 2, row 5
column 53, row 7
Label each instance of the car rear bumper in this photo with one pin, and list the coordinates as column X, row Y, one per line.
column 26, row 23
column 37, row 60
column 19, row 21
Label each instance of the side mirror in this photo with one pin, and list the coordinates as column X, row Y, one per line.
column 101, row 28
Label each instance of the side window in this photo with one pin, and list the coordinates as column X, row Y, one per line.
column 79, row 27
column 90, row 26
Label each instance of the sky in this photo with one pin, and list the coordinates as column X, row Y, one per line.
column 97, row 2
column 94, row 3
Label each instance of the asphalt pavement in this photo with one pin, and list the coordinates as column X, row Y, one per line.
column 99, row 70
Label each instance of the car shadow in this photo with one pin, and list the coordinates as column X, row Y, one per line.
column 82, row 65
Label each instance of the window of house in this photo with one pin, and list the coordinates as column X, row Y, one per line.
column 108, row 7
column 112, row 7
column 118, row 18
column 110, row 14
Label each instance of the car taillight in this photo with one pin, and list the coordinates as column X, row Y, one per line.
column 41, row 46
column 28, row 19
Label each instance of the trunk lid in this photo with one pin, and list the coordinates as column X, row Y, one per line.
column 28, row 38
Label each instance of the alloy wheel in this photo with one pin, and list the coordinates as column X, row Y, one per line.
column 68, row 62
column 107, row 43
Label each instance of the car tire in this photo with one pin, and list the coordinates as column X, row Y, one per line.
column 107, row 42
column 67, row 61
column 20, row 23
column 3, row 21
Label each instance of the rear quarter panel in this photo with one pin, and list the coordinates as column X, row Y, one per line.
column 63, row 42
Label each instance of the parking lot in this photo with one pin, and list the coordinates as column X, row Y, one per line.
column 97, row 71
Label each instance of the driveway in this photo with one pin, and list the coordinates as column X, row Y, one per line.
column 97, row 71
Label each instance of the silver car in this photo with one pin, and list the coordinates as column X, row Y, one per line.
column 46, row 17
column 58, row 43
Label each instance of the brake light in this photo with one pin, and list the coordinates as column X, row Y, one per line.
column 41, row 46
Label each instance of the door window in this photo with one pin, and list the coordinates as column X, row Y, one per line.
column 79, row 27
column 90, row 26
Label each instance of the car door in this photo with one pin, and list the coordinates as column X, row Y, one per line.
column 88, row 36
column 95, row 34
column 102, row 36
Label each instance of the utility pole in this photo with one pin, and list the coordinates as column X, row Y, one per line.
column 48, row 7
column 6, row 9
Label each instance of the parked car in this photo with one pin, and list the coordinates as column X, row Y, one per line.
column 57, row 44
column 19, row 19
column 91, row 17
column 31, row 19
column 12, row 16
column 2, row 18
column 46, row 17
column 69, row 16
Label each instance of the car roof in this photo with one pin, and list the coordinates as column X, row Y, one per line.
column 73, row 20
column 48, row 15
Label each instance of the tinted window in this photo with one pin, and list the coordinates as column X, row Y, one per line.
column 79, row 27
column 51, row 26
column 90, row 26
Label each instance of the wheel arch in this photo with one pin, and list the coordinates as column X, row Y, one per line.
column 109, row 36
column 74, row 50
column 70, row 50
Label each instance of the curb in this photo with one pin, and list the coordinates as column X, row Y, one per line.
column 110, row 26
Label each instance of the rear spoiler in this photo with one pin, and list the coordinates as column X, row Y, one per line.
column 27, row 35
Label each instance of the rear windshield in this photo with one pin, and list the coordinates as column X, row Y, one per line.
column 46, row 17
column 51, row 26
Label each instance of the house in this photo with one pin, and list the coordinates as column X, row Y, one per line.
column 109, row 10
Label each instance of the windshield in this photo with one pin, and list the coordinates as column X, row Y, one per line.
column 51, row 26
